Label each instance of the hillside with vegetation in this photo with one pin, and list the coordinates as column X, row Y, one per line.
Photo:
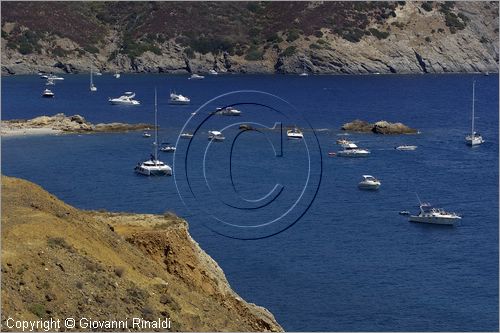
column 60, row 262
column 260, row 37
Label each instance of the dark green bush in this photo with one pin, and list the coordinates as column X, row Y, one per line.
column 315, row 46
column 289, row 51
column 428, row 39
column 59, row 52
column 427, row 6
column 318, row 33
column 321, row 41
column 484, row 40
column 189, row 53
column 91, row 49
column 293, row 35
column 4, row 34
column 454, row 22
column 274, row 38
column 353, row 35
column 253, row 54
column 379, row 34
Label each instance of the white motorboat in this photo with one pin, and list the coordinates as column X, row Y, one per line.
column 167, row 149
column 43, row 76
column 98, row 73
column 53, row 77
column 429, row 214
column 474, row 138
column 216, row 136
column 186, row 135
column 406, row 147
column 303, row 74
column 92, row 86
column 213, row 72
column 343, row 142
column 117, row 75
column 50, row 82
column 228, row 111
column 294, row 134
column 126, row 99
column 352, row 150
column 146, row 135
column 178, row 99
column 196, row 77
column 153, row 166
column 369, row 183
column 47, row 93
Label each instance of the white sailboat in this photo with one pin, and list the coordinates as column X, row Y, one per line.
column 474, row 138
column 92, row 86
column 153, row 166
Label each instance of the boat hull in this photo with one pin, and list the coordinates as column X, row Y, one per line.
column 178, row 102
column 434, row 220
column 153, row 171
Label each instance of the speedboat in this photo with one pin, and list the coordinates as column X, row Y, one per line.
column 126, row 99
column 178, row 99
column 474, row 138
column 117, row 75
column 98, row 73
column 294, row 134
column 352, row 150
column 216, row 136
column 53, row 77
column 167, row 149
column 228, row 111
column 343, row 142
column 213, row 72
column 47, row 93
column 431, row 215
column 196, row 77
column 186, row 135
column 303, row 74
column 369, row 183
column 406, row 147
column 146, row 135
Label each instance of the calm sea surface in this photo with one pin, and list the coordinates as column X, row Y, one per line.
column 351, row 263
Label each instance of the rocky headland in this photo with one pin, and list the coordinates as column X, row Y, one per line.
column 59, row 262
column 60, row 123
column 331, row 37
column 379, row 127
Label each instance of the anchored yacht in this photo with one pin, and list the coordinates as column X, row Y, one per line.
column 474, row 138
column 406, row 147
column 294, row 134
column 216, row 136
column 352, row 150
column 178, row 99
column 47, row 93
column 196, row 77
column 186, row 135
column 126, row 99
column 429, row 214
column 369, row 183
column 228, row 111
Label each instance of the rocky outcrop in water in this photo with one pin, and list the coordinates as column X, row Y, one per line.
column 380, row 127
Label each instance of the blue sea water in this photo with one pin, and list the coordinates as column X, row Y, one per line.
column 351, row 263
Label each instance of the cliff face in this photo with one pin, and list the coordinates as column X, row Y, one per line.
column 58, row 261
column 257, row 37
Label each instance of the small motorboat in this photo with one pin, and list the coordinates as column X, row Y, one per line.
column 196, row 77
column 178, row 99
column 47, row 93
column 431, row 215
column 228, row 111
column 369, row 183
column 406, row 147
column 126, row 99
column 404, row 212
column 352, row 150
column 117, row 75
column 186, row 135
column 146, row 135
column 53, row 77
column 50, row 82
column 332, row 153
column 216, row 136
column 98, row 73
column 213, row 72
column 167, row 149
column 343, row 142
column 294, row 134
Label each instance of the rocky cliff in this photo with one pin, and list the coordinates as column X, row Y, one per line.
column 59, row 262
column 250, row 37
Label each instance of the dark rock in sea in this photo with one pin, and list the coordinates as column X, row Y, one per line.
column 380, row 127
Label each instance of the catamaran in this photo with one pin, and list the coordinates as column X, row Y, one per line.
column 153, row 166
column 474, row 138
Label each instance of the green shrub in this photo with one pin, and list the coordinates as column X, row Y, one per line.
column 289, row 51
column 427, row 6
column 293, row 35
column 91, row 48
column 25, row 48
column 379, row 34
column 453, row 22
column 59, row 52
column 4, row 34
column 253, row 54
column 353, row 35
column 484, row 40
column 318, row 33
column 189, row 53
column 315, row 46
column 321, row 41
column 274, row 38
column 38, row 310
column 428, row 39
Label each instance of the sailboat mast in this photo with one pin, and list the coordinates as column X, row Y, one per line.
column 91, row 81
column 156, row 129
column 473, row 100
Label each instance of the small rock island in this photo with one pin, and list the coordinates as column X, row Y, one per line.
column 380, row 127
